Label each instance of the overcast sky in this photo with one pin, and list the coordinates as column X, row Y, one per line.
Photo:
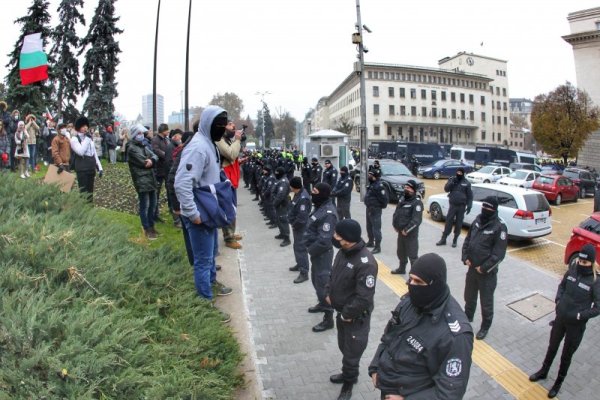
column 300, row 50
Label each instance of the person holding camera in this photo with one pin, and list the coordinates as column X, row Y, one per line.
column 61, row 149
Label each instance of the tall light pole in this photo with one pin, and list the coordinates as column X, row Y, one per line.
column 357, row 38
column 262, row 100
column 187, row 72
column 154, row 116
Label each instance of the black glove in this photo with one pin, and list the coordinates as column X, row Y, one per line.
column 101, row 173
column 60, row 169
column 468, row 210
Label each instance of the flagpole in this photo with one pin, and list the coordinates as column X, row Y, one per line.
column 187, row 71
column 154, row 115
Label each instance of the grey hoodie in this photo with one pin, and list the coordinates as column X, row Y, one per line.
column 200, row 164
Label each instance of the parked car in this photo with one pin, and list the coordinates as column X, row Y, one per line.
column 582, row 178
column 551, row 169
column 488, row 174
column 556, row 188
column 587, row 232
column 521, row 178
column 525, row 212
column 394, row 176
column 443, row 169
column 531, row 167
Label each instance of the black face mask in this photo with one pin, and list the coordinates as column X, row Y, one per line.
column 584, row 270
column 217, row 128
column 427, row 297
column 486, row 214
column 314, row 164
column 459, row 176
column 408, row 194
column 336, row 243
column 342, row 174
column 318, row 199
column 278, row 175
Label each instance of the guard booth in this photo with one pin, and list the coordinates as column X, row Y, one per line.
column 330, row 145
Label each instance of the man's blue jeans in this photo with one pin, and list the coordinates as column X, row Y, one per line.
column 203, row 243
column 147, row 208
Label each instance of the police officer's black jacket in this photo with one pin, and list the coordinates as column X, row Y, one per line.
column 485, row 244
column 330, row 176
column 352, row 282
column 577, row 296
column 425, row 356
column 316, row 173
column 267, row 188
column 300, row 210
column 320, row 229
column 459, row 192
column 343, row 189
column 281, row 193
column 376, row 196
column 408, row 215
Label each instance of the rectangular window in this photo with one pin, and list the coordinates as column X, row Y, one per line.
column 443, row 96
column 370, row 74
column 452, row 96
column 413, row 111
column 401, row 90
column 392, row 110
column 471, row 99
column 505, row 121
column 491, row 89
column 504, row 92
column 497, row 91
column 499, row 137
column 472, row 115
column 376, row 130
column 497, row 105
column 375, row 91
column 434, row 112
column 391, row 91
column 423, row 94
column 462, row 114
column 498, row 120
column 462, row 97
column 483, row 100
column 423, row 111
column 493, row 105
column 402, row 110
column 389, row 130
column 482, row 117
column 376, row 109
column 453, row 114
column 433, row 95
column 504, row 106
column 413, row 93
column 444, row 114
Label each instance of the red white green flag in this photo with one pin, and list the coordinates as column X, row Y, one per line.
column 33, row 62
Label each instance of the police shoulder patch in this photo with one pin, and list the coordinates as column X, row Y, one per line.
column 370, row 281
column 418, row 208
column 302, row 207
column 364, row 259
column 454, row 367
column 383, row 191
column 503, row 235
column 347, row 184
column 326, row 227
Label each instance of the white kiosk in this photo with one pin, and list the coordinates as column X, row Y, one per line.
column 330, row 145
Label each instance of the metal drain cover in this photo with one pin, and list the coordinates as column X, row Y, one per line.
column 533, row 307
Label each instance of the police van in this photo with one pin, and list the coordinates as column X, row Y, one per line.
column 497, row 155
column 466, row 155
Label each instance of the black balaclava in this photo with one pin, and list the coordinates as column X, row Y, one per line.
column 323, row 195
column 279, row 172
column 431, row 268
column 217, row 128
column 588, row 253
column 413, row 184
column 489, row 202
column 343, row 171
column 462, row 173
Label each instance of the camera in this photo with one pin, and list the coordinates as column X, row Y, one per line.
column 244, row 132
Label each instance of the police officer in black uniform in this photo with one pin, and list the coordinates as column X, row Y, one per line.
column 281, row 201
column 343, row 193
column 306, row 173
column 460, row 198
column 483, row 250
column 425, row 351
column 289, row 166
column 267, row 196
column 298, row 218
column 330, row 174
column 320, row 249
column 350, row 291
column 577, row 300
column 406, row 220
column 376, row 199
column 316, row 172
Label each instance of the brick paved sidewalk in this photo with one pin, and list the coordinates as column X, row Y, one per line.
column 295, row 363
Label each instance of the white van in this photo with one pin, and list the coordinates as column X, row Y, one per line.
column 526, row 158
column 466, row 155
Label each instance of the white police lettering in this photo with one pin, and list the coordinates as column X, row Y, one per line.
column 415, row 344
column 584, row 286
column 280, row 188
column 313, row 217
column 454, row 367
column 383, row 191
column 349, row 266
column 503, row 235
column 370, row 281
column 326, row 227
column 570, row 278
column 364, row 259
column 488, row 232
column 302, row 207
column 418, row 208
column 454, row 326
column 407, row 206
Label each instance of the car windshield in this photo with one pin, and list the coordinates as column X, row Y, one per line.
column 536, row 202
column 570, row 174
column 394, row 169
column 439, row 163
column 591, row 225
column 519, row 175
column 545, row 180
column 487, row 170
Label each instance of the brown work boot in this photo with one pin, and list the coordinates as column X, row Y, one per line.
column 237, row 236
column 150, row 234
column 233, row 245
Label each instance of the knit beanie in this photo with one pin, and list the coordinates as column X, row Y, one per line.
column 588, row 253
column 296, row 182
column 490, row 202
column 349, row 230
column 431, row 268
column 81, row 122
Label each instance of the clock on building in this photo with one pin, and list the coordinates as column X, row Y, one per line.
column 470, row 61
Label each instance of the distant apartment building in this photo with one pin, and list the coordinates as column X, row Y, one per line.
column 147, row 109
column 585, row 40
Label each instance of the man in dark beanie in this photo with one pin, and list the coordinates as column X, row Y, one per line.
column 281, row 200
column 320, row 249
column 350, row 292
column 86, row 160
column 298, row 218
column 342, row 191
column 316, row 172
column 376, row 199
column 406, row 221
column 460, row 197
column 426, row 348
column 483, row 250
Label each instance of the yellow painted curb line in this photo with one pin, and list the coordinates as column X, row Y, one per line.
column 511, row 378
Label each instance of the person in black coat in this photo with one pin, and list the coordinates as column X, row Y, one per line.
column 298, row 218
column 577, row 300
column 406, row 221
column 316, row 174
column 376, row 199
column 306, row 173
column 342, row 192
column 460, row 197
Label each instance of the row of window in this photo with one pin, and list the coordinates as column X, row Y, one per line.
column 434, row 113
column 422, row 133
column 425, row 78
column 500, row 72
column 498, row 90
column 434, row 96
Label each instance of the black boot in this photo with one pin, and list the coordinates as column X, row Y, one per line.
column 327, row 322
column 295, row 268
column 346, row 392
column 280, row 236
column 302, row 277
column 442, row 241
column 376, row 249
column 339, row 379
column 454, row 241
column 401, row 270
column 286, row 242
column 370, row 244
column 316, row 309
column 556, row 387
column 541, row 374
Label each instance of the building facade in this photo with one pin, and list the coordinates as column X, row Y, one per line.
column 464, row 101
column 147, row 109
column 585, row 40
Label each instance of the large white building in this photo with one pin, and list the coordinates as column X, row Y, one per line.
column 147, row 109
column 585, row 40
column 464, row 101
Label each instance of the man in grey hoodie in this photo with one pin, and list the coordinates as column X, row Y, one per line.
column 200, row 165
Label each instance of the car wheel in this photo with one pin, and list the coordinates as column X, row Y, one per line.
column 436, row 212
column 486, row 181
column 436, row 175
column 558, row 199
column 582, row 193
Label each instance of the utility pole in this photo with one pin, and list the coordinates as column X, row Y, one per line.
column 357, row 38
column 187, row 72
column 154, row 116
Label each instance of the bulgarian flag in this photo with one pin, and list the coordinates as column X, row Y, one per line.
column 33, row 62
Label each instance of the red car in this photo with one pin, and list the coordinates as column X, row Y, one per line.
column 556, row 188
column 587, row 232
